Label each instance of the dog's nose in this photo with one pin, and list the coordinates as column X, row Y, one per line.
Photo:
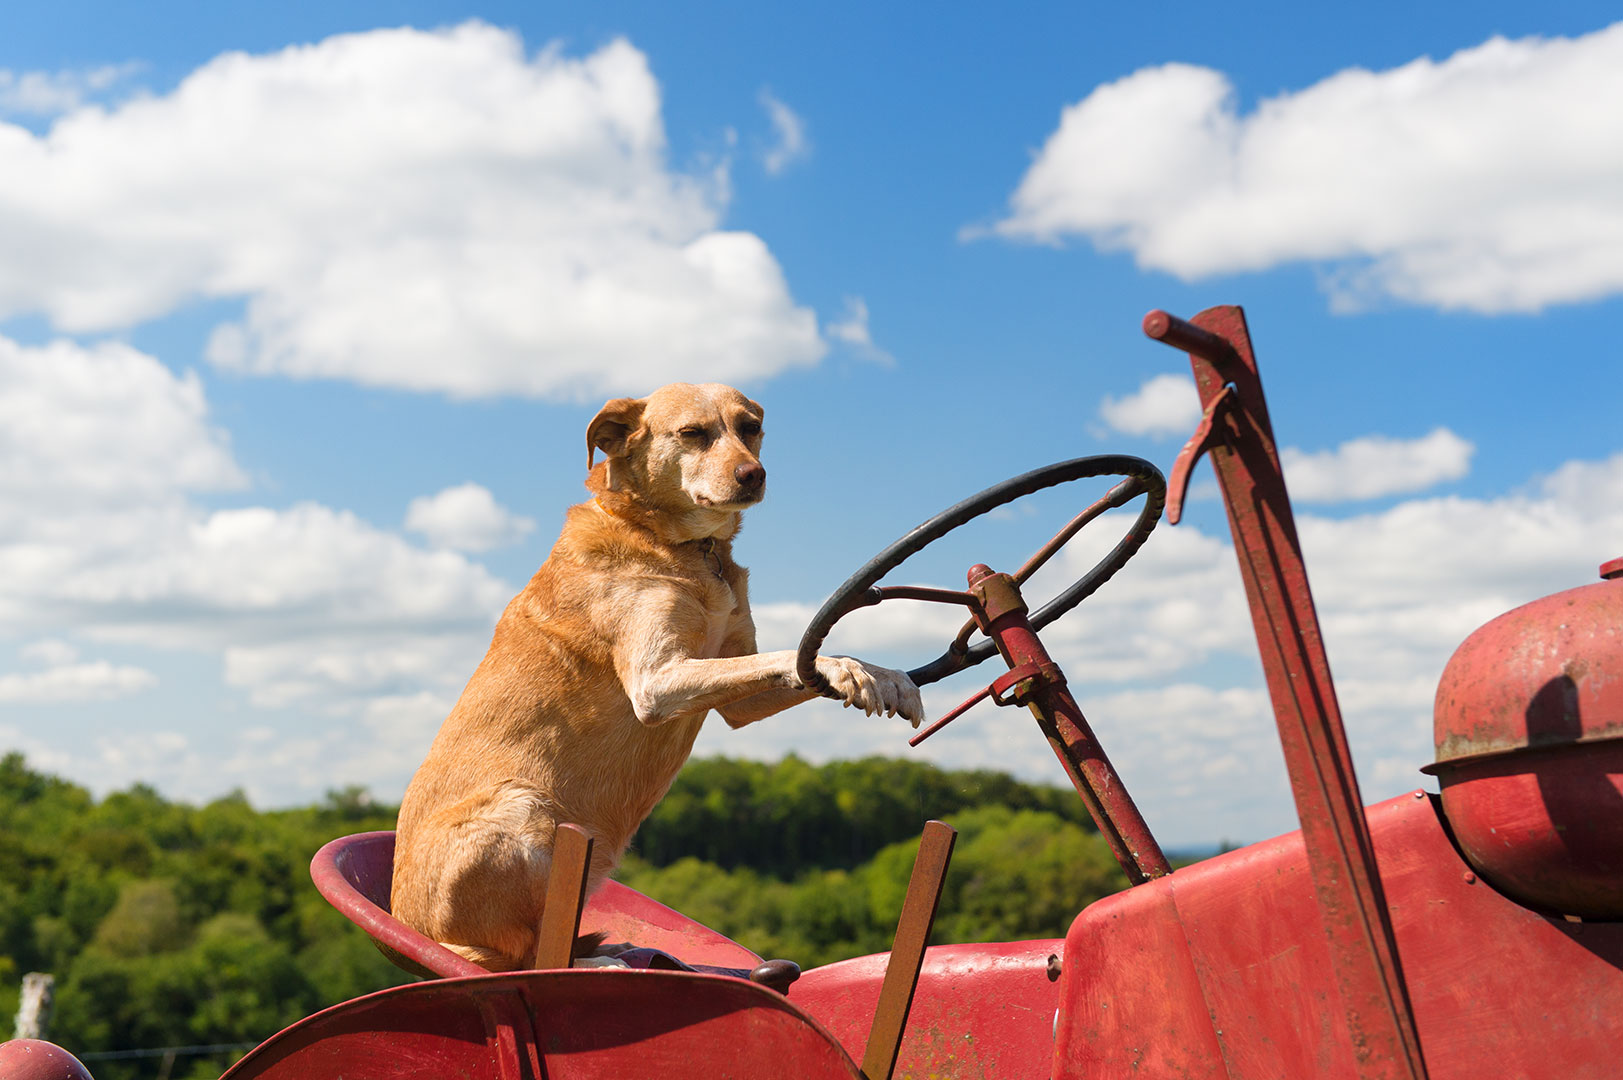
column 751, row 474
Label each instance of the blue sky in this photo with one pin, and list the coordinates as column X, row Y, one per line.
column 304, row 310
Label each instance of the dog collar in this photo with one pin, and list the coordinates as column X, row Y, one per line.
column 711, row 554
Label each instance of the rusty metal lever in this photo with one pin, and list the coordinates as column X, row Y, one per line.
column 1341, row 856
column 907, row 951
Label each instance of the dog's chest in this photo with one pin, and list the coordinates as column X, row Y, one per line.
column 720, row 609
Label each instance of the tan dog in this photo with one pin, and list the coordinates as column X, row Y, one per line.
column 601, row 672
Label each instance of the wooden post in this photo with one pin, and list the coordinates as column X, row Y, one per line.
column 34, row 1010
column 566, row 895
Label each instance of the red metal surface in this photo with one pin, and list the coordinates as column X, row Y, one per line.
column 1611, row 569
column 1544, row 826
column 1529, row 729
column 568, row 1024
column 353, row 874
column 36, row 1059
column 1244, row 987
column 979, row 1010
column 1549, row 673
column 1003, row 615
column 1379, row 1023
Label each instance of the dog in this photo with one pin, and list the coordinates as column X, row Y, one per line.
column 600, row 673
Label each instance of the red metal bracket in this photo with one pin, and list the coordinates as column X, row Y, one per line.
column 1208, row 434
column 1025, row 680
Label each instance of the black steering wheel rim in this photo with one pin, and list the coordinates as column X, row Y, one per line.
column 855, row 593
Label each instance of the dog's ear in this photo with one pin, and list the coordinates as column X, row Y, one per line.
column 612, row 426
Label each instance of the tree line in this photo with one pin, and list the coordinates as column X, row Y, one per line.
column 168, row 924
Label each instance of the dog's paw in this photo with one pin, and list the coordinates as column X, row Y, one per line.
column 871, row 688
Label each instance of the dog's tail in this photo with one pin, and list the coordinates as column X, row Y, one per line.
column 491, row 960
column 587, row 944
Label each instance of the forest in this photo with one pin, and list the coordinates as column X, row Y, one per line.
column 171, row 925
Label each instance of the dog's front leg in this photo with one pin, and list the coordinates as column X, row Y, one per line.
column 748, row 688
column 682, row 686
column 664, row 679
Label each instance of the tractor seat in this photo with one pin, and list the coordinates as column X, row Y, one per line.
column 354, row 875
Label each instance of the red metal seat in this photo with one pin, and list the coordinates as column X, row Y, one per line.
column 353, row 873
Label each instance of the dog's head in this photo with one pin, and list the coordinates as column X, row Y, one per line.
column 684, row 450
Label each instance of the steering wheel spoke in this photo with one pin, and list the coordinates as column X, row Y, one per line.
column 863, row 590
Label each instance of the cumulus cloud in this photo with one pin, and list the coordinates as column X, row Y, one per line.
column 1164, row 405
column 1375, row 465
column 429, row 210
column 101, row 452
column 789, row 134
column 466, row 518
column 1491, row 181
column 101, row 427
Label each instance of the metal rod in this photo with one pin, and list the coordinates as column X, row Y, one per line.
column 1341, row 856
column 978, row 697
column 922, row 592
column 907, row 951
column 1171, row 330
column 1079, row 751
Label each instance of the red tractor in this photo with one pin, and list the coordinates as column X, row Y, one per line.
column 1477, row 933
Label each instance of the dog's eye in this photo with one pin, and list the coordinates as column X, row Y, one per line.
column 749, row 429
column 693, row 434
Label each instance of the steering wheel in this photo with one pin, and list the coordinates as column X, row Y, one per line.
column 862, row 589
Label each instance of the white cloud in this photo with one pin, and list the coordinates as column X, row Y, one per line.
column 100, row 451
column 101, row 427
column 1375, row 465
column 97, row 681
column 852, row 331
column 51, row 93
column 52, row 652
column 344, row 672
column 435, row 211
column 466, row 518
column 1164, row 405
column 789, row 131
column 1491, row 181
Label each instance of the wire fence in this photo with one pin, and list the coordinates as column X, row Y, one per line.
column 163, row 1051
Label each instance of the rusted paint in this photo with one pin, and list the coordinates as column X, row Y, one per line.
column 1549, row 673
column 1379, row 1027
column 1244, row 988
column 982, row 1010
column 36, row 1059
column 1002, row 617
column 1529, row 733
